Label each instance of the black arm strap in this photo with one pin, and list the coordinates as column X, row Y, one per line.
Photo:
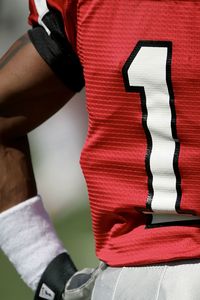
column 57, row 51
column 55, row 277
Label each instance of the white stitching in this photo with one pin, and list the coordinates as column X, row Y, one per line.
column 116, row 285
column 160, row 281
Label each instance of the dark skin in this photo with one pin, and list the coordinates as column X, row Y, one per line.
column 30, row 93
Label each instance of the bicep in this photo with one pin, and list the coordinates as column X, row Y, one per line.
column 30, row 92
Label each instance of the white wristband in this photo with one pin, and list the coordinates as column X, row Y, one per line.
column 29, row 240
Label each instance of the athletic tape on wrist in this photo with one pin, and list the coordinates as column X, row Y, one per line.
column 55, row 277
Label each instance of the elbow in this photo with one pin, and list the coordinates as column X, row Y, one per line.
column 11, row 127
column 13, row 121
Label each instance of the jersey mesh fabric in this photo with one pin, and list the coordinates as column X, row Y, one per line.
column 113, row 158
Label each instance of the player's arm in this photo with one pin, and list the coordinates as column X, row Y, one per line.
column 31, row 91
column 38, row 75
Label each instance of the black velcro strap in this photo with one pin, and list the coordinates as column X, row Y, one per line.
column 55, row 277
column 57, row 51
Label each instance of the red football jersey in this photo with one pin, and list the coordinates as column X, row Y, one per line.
column 141, row 63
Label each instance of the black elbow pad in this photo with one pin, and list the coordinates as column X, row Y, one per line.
column 53, row 46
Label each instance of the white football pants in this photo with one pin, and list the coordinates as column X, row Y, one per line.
column 171, row 281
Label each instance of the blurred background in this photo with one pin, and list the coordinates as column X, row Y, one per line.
column 55, row 147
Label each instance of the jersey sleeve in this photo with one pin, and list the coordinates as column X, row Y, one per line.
column 50, row 37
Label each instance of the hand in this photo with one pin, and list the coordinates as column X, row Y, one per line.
column 61, row 281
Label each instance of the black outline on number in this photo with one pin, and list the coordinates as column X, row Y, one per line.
column 140, row 89
column 173, row 128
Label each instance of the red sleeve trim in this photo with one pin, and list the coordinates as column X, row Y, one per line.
column 33, row 16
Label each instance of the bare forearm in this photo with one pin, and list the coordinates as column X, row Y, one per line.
column 17, row 179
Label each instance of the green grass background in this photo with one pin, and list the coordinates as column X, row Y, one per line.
column 76, row 234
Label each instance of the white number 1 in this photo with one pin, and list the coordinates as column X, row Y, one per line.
column 148, row 71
